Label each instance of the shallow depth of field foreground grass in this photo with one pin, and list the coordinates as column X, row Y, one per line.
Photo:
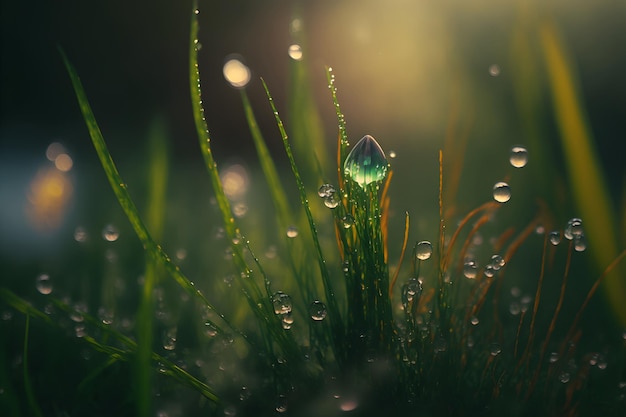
column 314, row 294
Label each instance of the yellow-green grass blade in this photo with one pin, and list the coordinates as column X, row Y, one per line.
column 584, row 170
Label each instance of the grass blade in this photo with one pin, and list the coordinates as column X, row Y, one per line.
column 584, row 169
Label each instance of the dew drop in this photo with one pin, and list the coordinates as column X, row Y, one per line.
column 347, row 221
column 495, row 349
column 43, row 284
column 80, row 234
column 501, row 192
column 497, row 262
column 574, row 228
column 489, row 271
column 555, row 237
column 169, row 338
column 474, row 320
column 564, row 377
column 580, row 243
column 392, row 154
column 518, row 157
column 366, row 163
column 515, row 308
column 292, row 231
column 326, row 190
column 317, row 310
column 295, row 52
column 331, row 201
column 423, row 250
column 281, row 302
column 110, row 233
column 554, row 357
column 470, row 270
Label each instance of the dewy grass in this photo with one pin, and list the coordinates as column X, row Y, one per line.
column 440, row 337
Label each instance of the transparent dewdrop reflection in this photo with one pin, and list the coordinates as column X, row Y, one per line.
column 295, row 52
column 43, row 284
column 366, row 163
column 423, row 250
column 501, row 192
column 518, row 157
column 236, row 73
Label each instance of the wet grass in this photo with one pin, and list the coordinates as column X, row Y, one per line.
column 341, row 330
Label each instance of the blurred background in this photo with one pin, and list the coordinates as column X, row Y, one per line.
column 469, row 77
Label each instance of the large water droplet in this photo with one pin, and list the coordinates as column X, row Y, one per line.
column 501, row 192
column 366, row 163
column 497, row 262
column 292, row 231
column 423, row 250
column 281, row 302
column 317, row 310
column 580, row 243
column 331, row 201
column 518, row 157
column 169, row 338
column 43, row 284
column 110, row 233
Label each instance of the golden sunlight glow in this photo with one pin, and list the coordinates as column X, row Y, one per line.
column 236, row 73
column 48, row 198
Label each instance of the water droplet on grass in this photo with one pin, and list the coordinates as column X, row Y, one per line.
column 331, row 201
column 489, row 271
column 281, row 302
column 169, row 338
column 292, row 231
column 554, row 357
column 474, row 320
column 495, row 349
column 470, row 270
column 326, row 190
column 43, row 284
column 347, row 221
column 501, row 192
column 80, row 234
column 423, row 250
column 574, row 228
column 555, row 237
column 317, row 310
column 518, row 157
column 295, row 52
column 366, row 163
column 110, row 233
column 497, row 262
column 564, row 377
column 580, row 243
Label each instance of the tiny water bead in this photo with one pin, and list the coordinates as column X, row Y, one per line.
column 501, row 192
column 494, row 70
column 423, row 250
column 366, row 163
column 497, row 262
column 292, row 231
column 317, row 310
column 518, row 157
column 110, row 233
column 80, row 234
column 495, row 349
column 555, row 237
column 43, row 284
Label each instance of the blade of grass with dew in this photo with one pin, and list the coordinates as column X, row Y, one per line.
column 28, row 386
column 334, row 317
column 121, row 192
column 260, row 305
column 181, row 375
column 157, row 175
column 584, row 170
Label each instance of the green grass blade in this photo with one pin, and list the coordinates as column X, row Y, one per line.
column 28, row 387
column 121, row 192
column 584, row 169
column 334, row 316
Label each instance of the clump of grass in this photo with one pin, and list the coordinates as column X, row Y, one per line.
column 435, row 338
